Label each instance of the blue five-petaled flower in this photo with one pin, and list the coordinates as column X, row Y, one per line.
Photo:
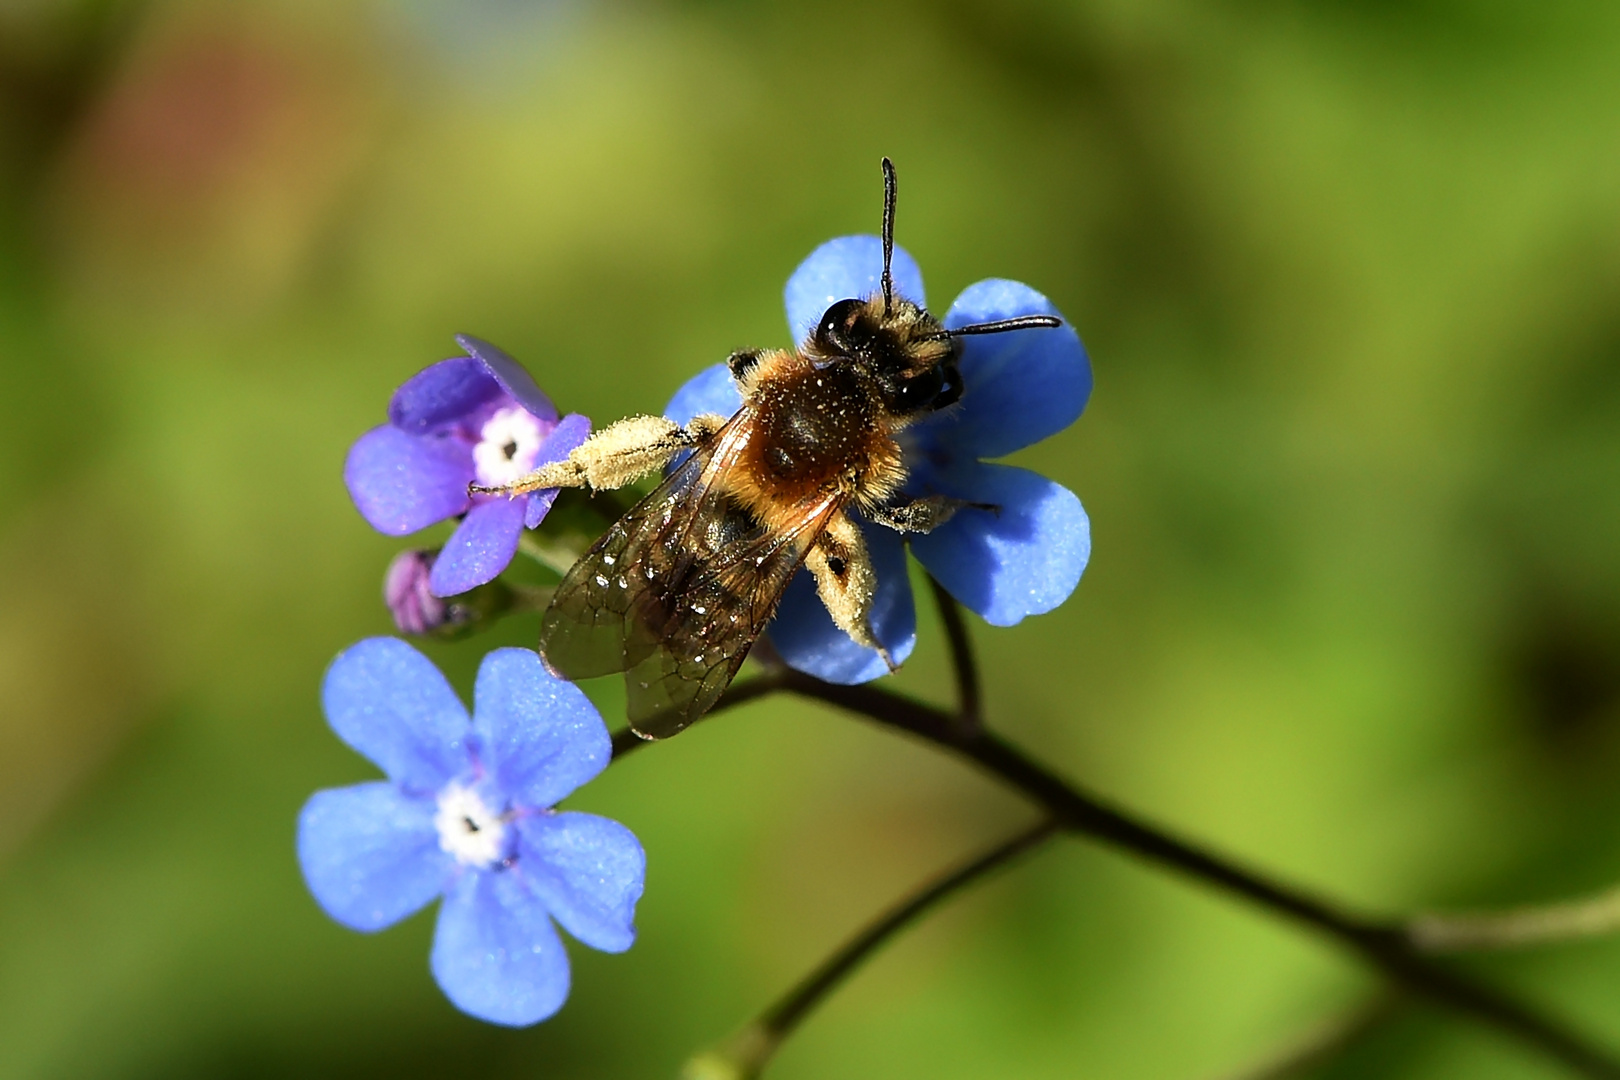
column 466, row 813
column 1018, row 388
column 474, row 418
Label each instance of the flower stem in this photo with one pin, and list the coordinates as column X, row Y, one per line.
column 1382, row 945
column 548, row 551
column 1387, row 947
column 1585, row 917
column 781, row 1018
column 746, row 1054
column 968, row 695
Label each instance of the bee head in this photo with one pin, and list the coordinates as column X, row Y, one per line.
column 905, row 351
column 899, row 345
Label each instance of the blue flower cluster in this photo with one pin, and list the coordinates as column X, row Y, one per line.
column 467, row 814
column 468, row 810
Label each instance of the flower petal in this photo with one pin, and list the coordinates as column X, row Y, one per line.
column 513, row 376
column 390, row 703
column 850, row 267
column 1025, row 560
column 481, row 547
column 806, row 637
column 370, row 853
column 442, row 394
column 496, row 955
column 1020, row 386
column 711, row 390
column 589, row 871
column 401, row 483
column 540, row 736
column 570, row 431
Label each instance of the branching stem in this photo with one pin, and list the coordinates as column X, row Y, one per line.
column 1387, row 947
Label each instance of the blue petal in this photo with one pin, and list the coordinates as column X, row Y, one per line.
column 401, row 483
column 390, row 703
column 1018, row 387
column 496, row 955
column 1026, row 560
column 850, row 267
column 442, row 394
column 570, row 431
column 481, row 547
column 807, row 638
column 513, row 376
column 370, row 853
column 540, row 737
column 588, row 871
column 711, row 390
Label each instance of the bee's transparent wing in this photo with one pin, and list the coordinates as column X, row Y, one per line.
column 714, row 620
column 605, row 615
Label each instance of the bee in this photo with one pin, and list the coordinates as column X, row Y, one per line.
column 679, row 588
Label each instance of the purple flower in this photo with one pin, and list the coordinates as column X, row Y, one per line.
column 479, row 418
column 1018, row 388
column 465, row 813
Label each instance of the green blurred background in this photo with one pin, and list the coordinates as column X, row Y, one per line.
column 1349, row 272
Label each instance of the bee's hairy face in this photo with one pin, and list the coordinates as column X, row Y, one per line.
column 905, row 351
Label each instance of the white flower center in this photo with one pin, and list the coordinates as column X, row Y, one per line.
column 508, row 443
column 468, row 828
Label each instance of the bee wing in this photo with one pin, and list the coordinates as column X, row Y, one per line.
column 715, row 620
column 608, row 611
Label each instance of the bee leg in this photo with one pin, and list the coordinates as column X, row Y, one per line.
column 624, row 451
column 923, row 515
column 846, row 582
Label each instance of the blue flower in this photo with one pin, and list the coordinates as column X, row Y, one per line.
column 465, row 813
column 479, row 418
column 1018, row 388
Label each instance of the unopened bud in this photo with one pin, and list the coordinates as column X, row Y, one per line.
column 405, row 590
column 417, row 611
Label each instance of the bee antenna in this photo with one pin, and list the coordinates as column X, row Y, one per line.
column 1000, row 326
column 888, row 236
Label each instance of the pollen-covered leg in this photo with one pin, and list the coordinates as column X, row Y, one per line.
column 923, row 515
column 624, row 451
column 846, row 583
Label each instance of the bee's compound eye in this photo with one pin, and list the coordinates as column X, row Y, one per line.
column 919, row 391
column 832, row 333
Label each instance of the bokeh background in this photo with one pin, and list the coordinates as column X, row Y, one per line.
column 1349, row 272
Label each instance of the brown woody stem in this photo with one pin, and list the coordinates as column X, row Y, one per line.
column 1385, row 946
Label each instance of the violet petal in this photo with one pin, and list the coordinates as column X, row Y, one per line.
column 481, row 547
column 442, row 395
column 401, row 483
column 513, row 377
column 570, row 431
